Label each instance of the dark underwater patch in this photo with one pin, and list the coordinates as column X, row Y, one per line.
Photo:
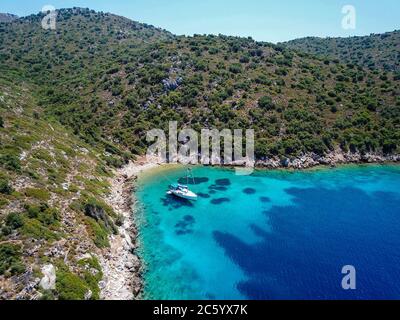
column 223, row 182
column 204, row 195
column 183, row 232
column 175, row 203
column 265, row 199
column 217, row 188
column 185, row 226
column 249, row 191
column 220, row 201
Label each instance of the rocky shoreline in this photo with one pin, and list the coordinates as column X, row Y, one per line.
column 332, row 159
column 122, row 268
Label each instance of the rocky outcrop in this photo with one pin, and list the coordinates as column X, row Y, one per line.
column 331, row 159
column 172, row 84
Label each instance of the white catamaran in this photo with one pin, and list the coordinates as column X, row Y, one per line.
column 182, row 191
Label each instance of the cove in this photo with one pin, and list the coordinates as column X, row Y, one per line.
column 272, row 235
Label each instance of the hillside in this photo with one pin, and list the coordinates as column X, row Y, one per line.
column 7, row 17
column 76, row 104
column 111, row 79
column 375, row 52
column 53, row 190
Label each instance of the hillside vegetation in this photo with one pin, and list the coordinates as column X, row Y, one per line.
column 375, row 52
column 51, row 183
column 111, row 79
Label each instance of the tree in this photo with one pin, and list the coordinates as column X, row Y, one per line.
column 5, row 188
column 14, row 221
column 10, row 162
column 10, row 260
column 244, row 59
column 235, row 68
column 266, row 103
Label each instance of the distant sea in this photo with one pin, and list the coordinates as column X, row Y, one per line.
column 272, row 235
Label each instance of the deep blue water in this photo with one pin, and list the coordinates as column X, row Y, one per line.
column 273, row 235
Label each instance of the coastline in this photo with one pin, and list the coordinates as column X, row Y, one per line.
column 122, row 268
column 334, row 158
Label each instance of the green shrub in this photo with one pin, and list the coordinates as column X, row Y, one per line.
column 33, row 211
column 236, row 68
column 35, row 229
column 1, row 122
column 334, row 109
column 47, row 295
column 49, row 217
column 39, row 194
column 244, row 59
column 266, row 103
column 5, row 231
column 281, row 72
column 92, row 275
column 42, row 154
column 10, row 162
column 10, row 260
column 3, row 202
column 69, row 286
column 114, row 162
column 5, row 188
column 14, row 221
column 98, row 232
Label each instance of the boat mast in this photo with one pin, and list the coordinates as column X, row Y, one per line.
column 190, row 174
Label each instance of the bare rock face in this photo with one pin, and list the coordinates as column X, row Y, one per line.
column 172, row 84
column 96, row 212
column 48, row 282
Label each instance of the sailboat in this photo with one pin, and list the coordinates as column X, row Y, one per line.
column 182, row 191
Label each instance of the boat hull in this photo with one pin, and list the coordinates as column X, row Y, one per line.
column 187, row 196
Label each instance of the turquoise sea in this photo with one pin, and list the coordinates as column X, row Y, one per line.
column 273, row 234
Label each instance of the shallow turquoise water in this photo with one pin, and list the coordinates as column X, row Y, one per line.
column 272, row 235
